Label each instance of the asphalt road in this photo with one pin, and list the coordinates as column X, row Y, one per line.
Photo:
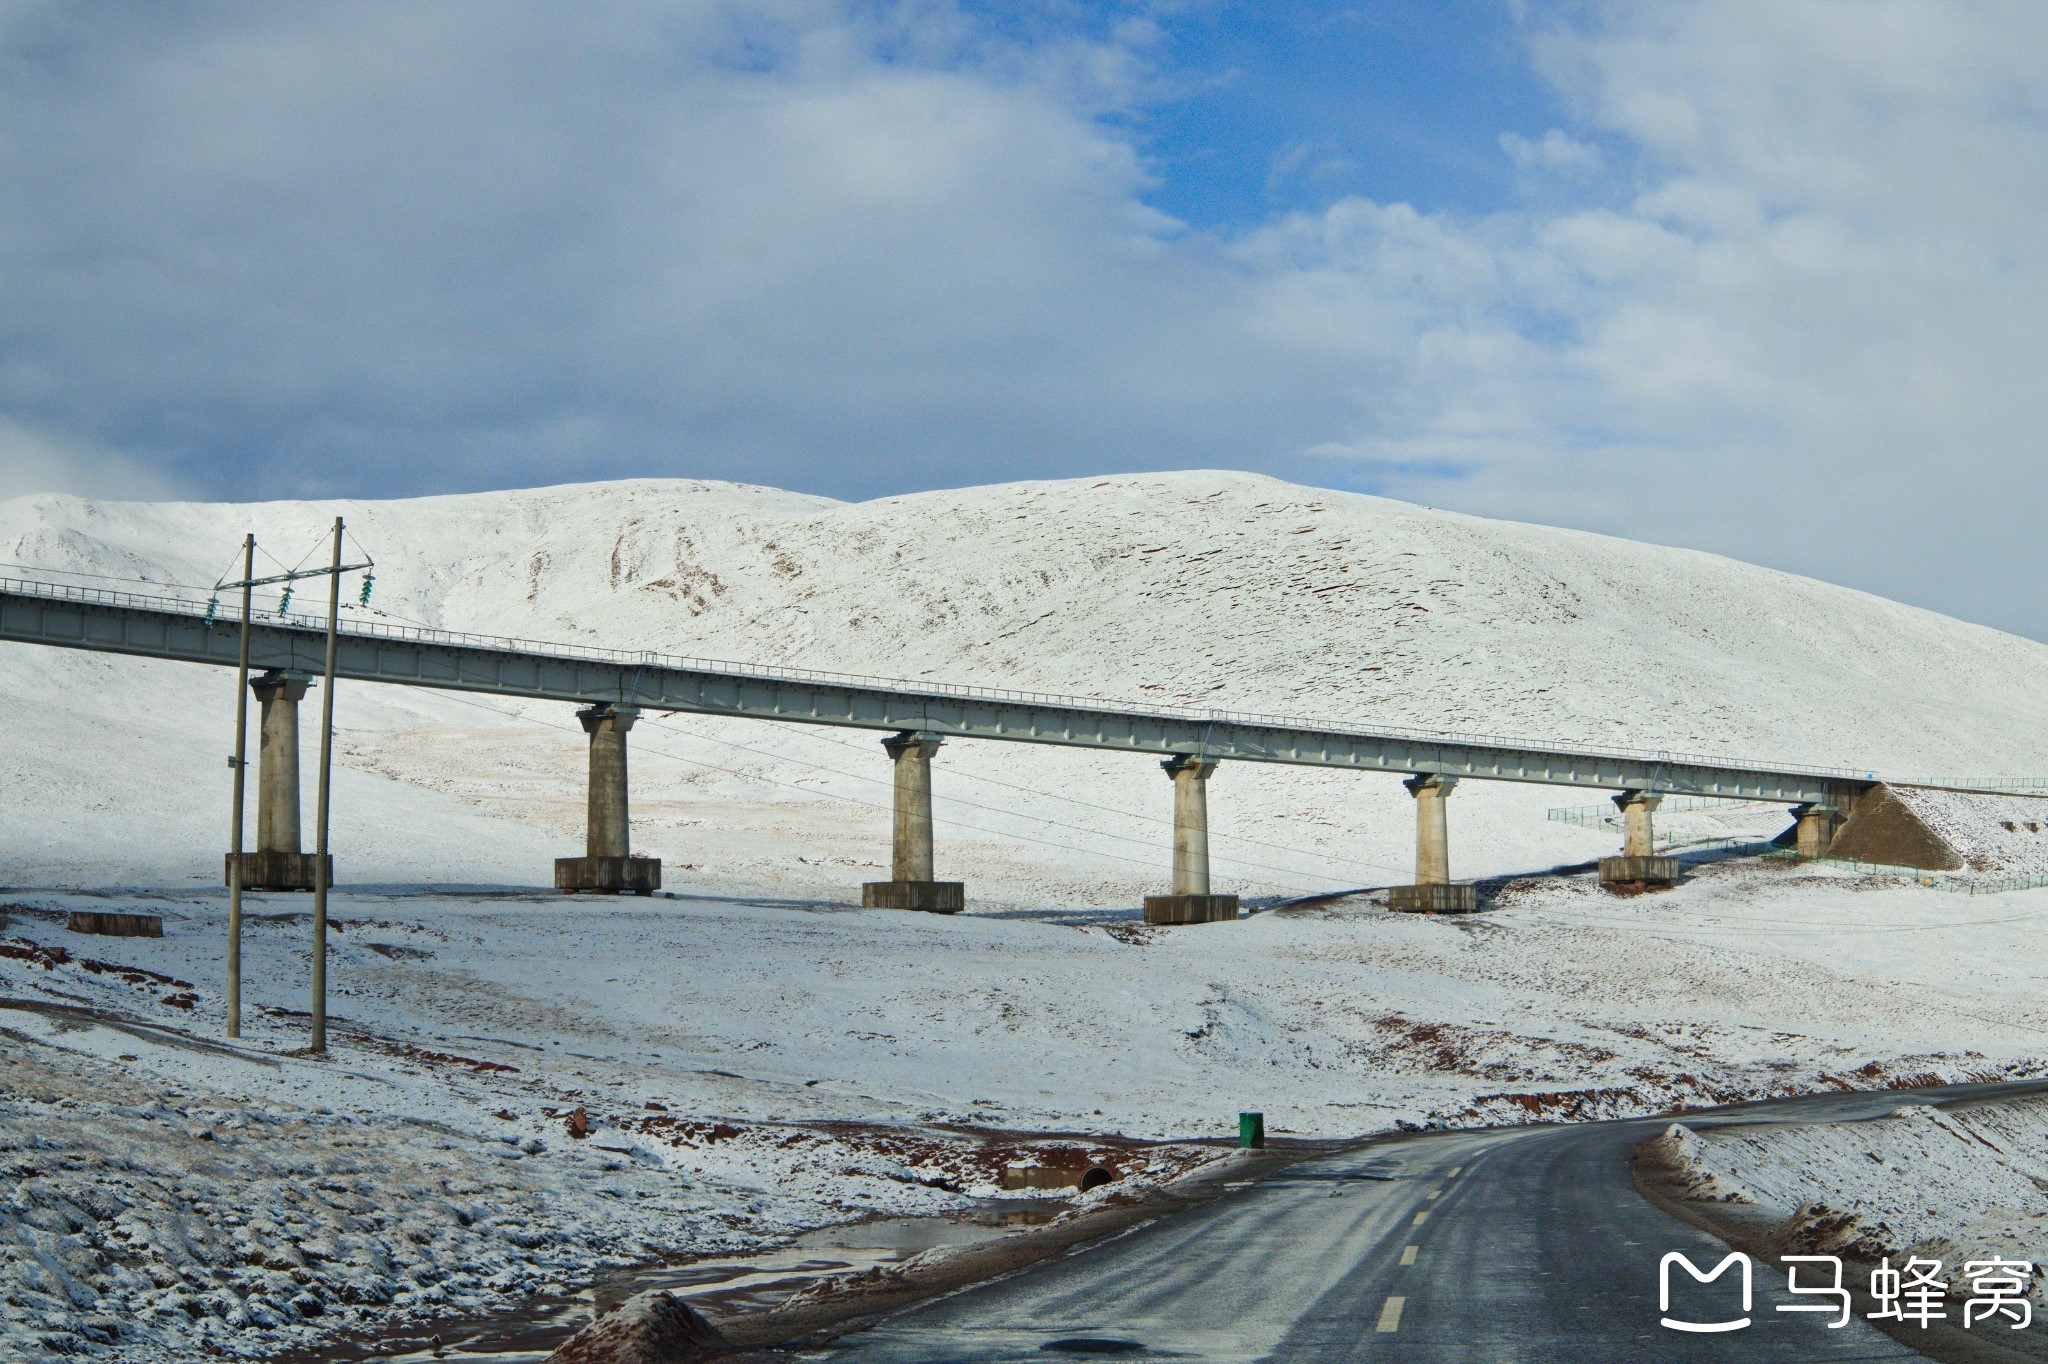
column 1524, row 1244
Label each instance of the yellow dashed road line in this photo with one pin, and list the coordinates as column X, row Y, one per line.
column 1390, row 1315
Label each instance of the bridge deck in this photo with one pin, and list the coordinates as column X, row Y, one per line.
column 171, row 628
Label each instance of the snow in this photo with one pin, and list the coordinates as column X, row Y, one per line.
column 1955, row 1185
column 755, row 1055
column 2007, row 834
column 1203, row 588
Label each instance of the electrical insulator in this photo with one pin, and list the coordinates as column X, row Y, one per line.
column 212, row 605
column 368, row 580
column 284, row 603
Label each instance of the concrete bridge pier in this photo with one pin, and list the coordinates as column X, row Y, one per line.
column 1638, row 868
column 1433, row 892
column 608, row 865
column 910, row 884
column 1190, row 902
column 1817, row 823
column 277, row 863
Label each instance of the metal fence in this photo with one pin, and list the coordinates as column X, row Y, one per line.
column 1603, row 814
column 1948, row 883
column 1985, row 785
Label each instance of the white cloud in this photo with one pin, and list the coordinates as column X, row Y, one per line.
column 34, row 461
column 1809, row 337
column 387, row 247
column 1778, row 288
column 1553, row 152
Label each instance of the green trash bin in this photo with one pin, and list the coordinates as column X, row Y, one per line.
column 1251, row 1130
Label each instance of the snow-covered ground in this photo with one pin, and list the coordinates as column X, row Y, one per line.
column 1954, row 1186
column 1989, row 833
column 752, row 1053
column 162, row 1181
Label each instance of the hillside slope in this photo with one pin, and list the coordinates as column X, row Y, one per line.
column 1213, row 589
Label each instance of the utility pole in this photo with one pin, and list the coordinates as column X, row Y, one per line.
column 319, row 1043
column 321, row 872
column 240, row 766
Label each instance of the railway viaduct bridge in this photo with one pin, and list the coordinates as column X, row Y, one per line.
column 610, row 687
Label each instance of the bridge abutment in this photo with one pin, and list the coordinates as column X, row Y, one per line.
column 1638, row 867
column 1433, row 891
column 277, row 863
column 910, row 884
column 608, row 865
column 1190, row 902
column 1817, row 823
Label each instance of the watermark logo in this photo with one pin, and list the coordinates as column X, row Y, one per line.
column 1735, row 1258
column 1915, row 1293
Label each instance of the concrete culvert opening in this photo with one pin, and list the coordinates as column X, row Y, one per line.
column 1096, row 1177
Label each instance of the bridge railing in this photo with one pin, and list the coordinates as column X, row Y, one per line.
column 1605, row 813
column 1982, row 785
column 357, row 627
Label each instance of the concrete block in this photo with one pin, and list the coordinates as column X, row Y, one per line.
column 115, row 925
column 608, row 875
column 276, row 870
column 1190, row 909
column 1638, row 871
column 933, row 897
column 1436, row 899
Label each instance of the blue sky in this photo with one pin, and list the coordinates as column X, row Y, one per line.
column 1763, row 277
column 1291, row 107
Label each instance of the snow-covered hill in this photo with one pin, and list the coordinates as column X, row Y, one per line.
column 1203, row 588
column 759, row 1054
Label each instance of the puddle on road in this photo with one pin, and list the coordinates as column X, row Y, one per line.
column 719, row 1287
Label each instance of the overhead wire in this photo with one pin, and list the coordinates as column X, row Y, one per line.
column 109, row 577
column 1154, row 819
column 813, row 734
column 874, row 805
column 1048, row 795
column 993, row 809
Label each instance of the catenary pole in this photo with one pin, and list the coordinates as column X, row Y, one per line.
column 241, row 767
column 320, row 864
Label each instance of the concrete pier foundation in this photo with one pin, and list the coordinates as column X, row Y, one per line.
column 1815, row 828
column 1638, row 868
column 910, row 884
column 277, row 862
column 608, row 865
column 1433, row 891
column 1190, row 902
column 1191, row 909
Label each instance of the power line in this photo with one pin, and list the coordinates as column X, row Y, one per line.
column 993, row 809
column 875, row 805
column 1013, row 786
column 1153, row 819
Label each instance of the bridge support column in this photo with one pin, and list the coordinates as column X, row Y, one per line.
column 910, row 884
column 1432, row 892
column 1638, row 868
column 608, row 865
column 277, row 863
column 1815, row 829
column 1191, row 902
